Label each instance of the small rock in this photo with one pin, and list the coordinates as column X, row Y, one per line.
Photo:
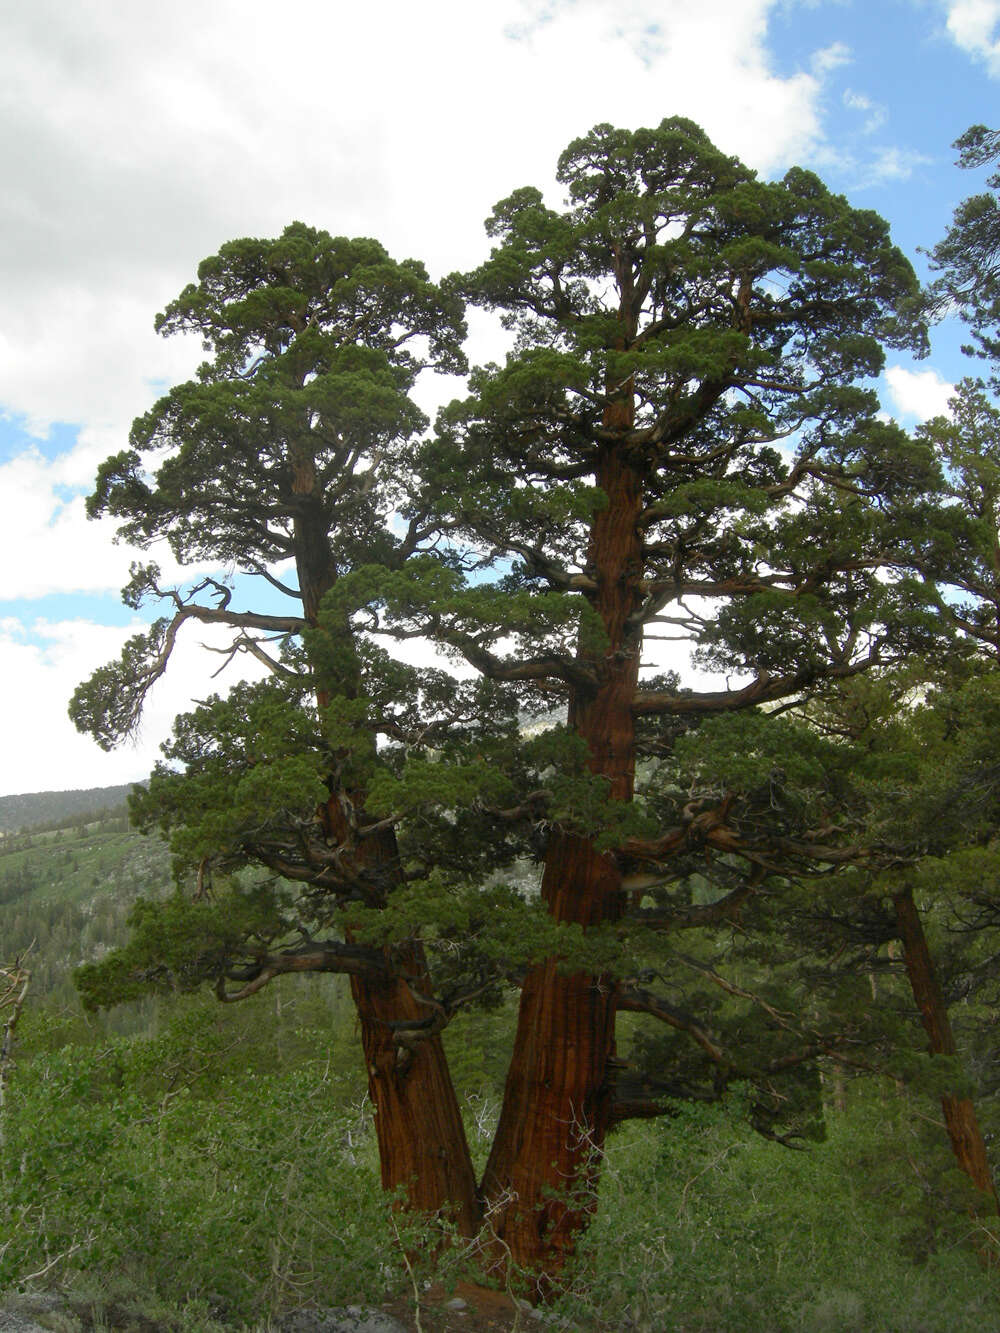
column 353, row 1319
column 10, row 1322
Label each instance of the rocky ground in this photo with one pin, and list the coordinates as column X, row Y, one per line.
column 466, row 1309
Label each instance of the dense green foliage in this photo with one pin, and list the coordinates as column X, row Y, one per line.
column 203, row 1129
column 205, row 1135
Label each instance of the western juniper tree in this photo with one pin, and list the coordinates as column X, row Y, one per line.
column 683, row 442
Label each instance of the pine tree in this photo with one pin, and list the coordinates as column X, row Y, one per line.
column 681, row 439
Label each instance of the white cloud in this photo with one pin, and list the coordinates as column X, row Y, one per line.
column 875, row 114
column 138, row 139
column 972, row 25
column 893, row 164
column 830, row 58
column 41, row 750
column 47, row 543
column 919, row 394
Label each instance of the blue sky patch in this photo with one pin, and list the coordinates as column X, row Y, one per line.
column 15, row 438
column 102, row 608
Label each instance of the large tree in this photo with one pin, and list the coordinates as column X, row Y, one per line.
column 968, row 256
column 684, row 442
column 291, row 451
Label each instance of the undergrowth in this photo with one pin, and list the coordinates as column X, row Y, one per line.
column 215, row 1177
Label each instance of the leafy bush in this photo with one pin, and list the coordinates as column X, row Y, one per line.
column 705, row 1226
column 161, row 1160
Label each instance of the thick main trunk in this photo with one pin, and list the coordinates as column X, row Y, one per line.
column 540, row 1179
column 959, row 1113
column 539, row 1182
column 421, row 1138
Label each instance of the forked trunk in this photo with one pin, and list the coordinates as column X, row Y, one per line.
column 959, row 1113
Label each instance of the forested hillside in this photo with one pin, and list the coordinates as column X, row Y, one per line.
column 65, row 892
column 41, row 808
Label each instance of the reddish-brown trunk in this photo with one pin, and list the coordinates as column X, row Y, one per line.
column 540, row 1178
column 421, row 1138
column 539, row 1182
column 423, row 1150
column 959, row 1113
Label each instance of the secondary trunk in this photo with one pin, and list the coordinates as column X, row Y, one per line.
column 422, row 1146
column 540, row 1179
column 423, row 1151
column 959, row 1113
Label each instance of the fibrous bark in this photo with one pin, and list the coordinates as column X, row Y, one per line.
column 539, row 1182
column 423, row 1150
column 959, row 1112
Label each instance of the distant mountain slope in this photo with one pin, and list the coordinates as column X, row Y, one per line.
column 44, row 807
column 65, row 893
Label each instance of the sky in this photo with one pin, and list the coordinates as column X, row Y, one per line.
column 138, row 137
